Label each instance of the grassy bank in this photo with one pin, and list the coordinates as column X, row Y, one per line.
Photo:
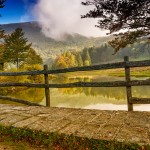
column 135, row 72
column 53, row 141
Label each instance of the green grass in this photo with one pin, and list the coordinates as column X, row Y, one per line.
column 55, row 141
column 135, row 72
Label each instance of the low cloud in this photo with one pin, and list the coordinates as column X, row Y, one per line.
column 58, row 17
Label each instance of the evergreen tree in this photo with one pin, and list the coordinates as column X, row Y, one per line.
column 79, row 60
column 72, row 60
column 16, row 47
column 1, row 57
column 2, row 35
column 2, row 3
column 68, row 54
column 87, row 61
column 33, row 58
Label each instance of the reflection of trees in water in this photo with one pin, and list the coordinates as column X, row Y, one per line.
column 117, row 93
column 37, row 95
column 61, row 80
column 143, row 91
column 31, row 94
column 108, row 92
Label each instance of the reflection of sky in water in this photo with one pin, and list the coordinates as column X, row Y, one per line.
column 114, row 107
column 118, row 107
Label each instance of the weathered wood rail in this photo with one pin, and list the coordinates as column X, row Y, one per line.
column 127, row 83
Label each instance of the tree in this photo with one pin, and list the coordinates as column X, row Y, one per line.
column 2, row 32
column 60, row 62
column 16, row 47
column 1, row 57
column 2, row 35
column 33, row 58
column 65, row 60
column 2, row 4
column 132, row 15
column 87, row 61
column 79, row 60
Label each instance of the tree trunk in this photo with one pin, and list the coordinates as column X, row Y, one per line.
column 148, row 51
column 17, row 62
column 2, row 65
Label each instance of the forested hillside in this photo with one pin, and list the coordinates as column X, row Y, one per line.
column 75, row 49
column 48, row 47
column 101, row 54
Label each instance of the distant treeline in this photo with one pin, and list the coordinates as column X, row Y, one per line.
column 102, row 54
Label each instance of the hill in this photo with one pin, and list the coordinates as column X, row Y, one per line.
column 48, row 48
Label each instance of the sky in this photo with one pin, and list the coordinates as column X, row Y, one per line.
column 56, row 17
column 17, row 11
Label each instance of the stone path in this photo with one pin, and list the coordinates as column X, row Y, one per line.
column 107, row 125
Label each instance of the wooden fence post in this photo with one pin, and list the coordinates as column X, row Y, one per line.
column 128, row 88
column 47, row 91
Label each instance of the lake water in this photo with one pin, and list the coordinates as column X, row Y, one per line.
column 86, row 98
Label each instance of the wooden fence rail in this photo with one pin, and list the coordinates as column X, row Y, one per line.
column 127, row 83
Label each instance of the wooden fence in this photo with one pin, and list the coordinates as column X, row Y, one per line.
column 128, row 83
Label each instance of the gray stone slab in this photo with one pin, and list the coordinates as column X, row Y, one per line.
column 21, row 113
column 134, row 133
column 9, row 119
column 104, row 125
column 88, row 130
column 26, row 122
column 3, row 111
column 107, row 131
column 72, row 129
column 47, row 125
column 3, row 116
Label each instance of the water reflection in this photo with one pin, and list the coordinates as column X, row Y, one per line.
column 31, row 94
column 118, row 107
column 96, row 98
column 117, row 93
column 89, row 97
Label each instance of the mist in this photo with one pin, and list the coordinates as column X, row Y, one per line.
column 59, row 17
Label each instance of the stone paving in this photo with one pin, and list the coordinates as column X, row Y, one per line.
column 106, row 125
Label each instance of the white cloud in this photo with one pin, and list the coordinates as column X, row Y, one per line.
column 57, row 17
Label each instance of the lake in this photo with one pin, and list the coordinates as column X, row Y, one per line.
column 86, row 98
